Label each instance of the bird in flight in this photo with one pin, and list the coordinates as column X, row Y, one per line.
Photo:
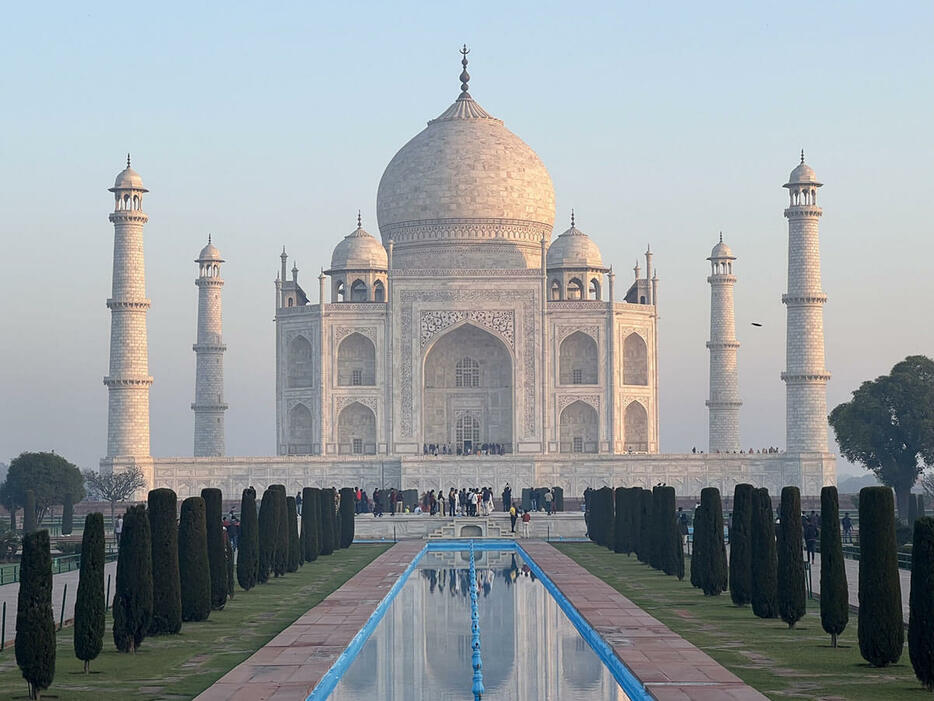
column 756, row 323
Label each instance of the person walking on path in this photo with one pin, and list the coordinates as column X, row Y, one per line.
column 847, row 528
column 298, row 503
column 513, row 517
column 526, row 524
column 811, row 533
column 549, row 497
column 118, row 529
column 393, row 497
column 507, row 497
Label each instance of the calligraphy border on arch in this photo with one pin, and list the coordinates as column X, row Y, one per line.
column 499, row 321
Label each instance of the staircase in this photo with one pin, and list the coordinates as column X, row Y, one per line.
column 466, row 527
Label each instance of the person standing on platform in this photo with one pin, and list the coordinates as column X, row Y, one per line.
column 526, row 524
column 513, row 517
column 507, row 497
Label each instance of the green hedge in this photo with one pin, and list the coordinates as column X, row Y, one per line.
column 132, row 605
column 193, row 568
column 166, row 585
column 834, row 595
column 741, row 545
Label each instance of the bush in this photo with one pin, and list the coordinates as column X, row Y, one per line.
column 347, row 516
column 834, row 597
column 791, row 594
column 89, row 604
column 327, row 521
column 880, row 628
column 921, row 603
column 713, row 576
column 646, row 521
column 35, row 625
column 281, row 559
column 740, row 545
column 764, row 580
column 193, row 568
column 217, row 561
column 132, row 606
column 621, row 526
column 68, row 515
column 248, row 547
column 311, row 505
column 295, row 551
column 268, row 526
column 29, row 512
column 166, row 585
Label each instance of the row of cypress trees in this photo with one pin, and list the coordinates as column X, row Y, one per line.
column 193, row 560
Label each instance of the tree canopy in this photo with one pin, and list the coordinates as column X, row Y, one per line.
column 50, row 477
column 115, row 487
column 888, row 425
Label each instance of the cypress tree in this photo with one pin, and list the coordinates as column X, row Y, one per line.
column 635, row 520
column 879, row 628
column 193, row 568
column 281, row 560
column 646, row 525
column 347, row 516
column 912, row 510
column 834, row 597
column 311, row 501
column 741, row 545
column 294, row 546
column 90, row 604
column 166, row 585
column 764, row 580
column 229, row 561
column 35, row 625
column 620, row 529
column 132, row 606
column 715, row 577
column 792, row 597
column 268, row 515
column 217, row 561
column 29, row 512
column 920, row 505
column 248, row 548
column 698, row 554
column 671, row 554
column 327, row 521
column 68, row 514
column 921, row 603
column 607, row 526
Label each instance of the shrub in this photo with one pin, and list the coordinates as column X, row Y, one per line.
column 248, row 547
column 214, row 528
column 621, row 527
column 90, row 604
column 281, row 560
column 268, row 517
column 670, row 553
column 347, row 515
column 740, row 545
column 921, row 603
column 132, row 606
column 311, row 504
column 713, row 574
column 35, row 625
column 764, row 559
column 834, row 597
column 193, row 568
column 646, row 522
column 880, row 628
column 29, row 512
column 166, row 585
column 68, row 514
column 294, row 554
column 327, row 521
column 791, row 594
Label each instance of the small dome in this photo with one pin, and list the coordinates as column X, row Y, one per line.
column 128, row 179
column 359, row 251
column 573, row 249
column 721, row 250
column 209, row 253
column 803, row 174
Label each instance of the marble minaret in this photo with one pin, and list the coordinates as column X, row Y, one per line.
column 128, row 381
column 805, row 376
column 723, row 405
column 209, row 404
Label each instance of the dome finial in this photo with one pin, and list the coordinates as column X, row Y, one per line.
column 209, row 238
column 128, row 160
column 465, row 76
column 802, row 155
column 359, row 220
column 572, row 217
column 721, row 237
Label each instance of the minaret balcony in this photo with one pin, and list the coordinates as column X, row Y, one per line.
column 133, row 216
column 209, row 407
column 209, row 347
column 128, row 381
column 723, row 345
column 819, row 298
column 801, row 211
column 805, row 377
column 139, row 305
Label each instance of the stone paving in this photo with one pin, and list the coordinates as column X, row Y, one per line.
column 852, row 583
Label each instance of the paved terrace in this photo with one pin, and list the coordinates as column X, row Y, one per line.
column 290, row 666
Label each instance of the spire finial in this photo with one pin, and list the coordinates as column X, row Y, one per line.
column 359, row 220
column 128, row 160
column 802, row 155
column 721, row 237
column 209, row 238
column 465, row 76
column 572, row 217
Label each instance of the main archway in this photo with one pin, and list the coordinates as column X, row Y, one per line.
column 467, row 392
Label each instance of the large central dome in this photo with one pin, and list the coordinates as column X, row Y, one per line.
column 466, row 180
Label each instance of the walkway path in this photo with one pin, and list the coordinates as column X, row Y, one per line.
column 852, row 583
column 10, row 592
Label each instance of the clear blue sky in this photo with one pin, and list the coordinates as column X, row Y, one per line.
column 271, row 125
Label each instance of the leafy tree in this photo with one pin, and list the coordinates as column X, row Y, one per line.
column 888, row 426
column 646, row 525
column 311, row 502
column 248, row 550
column 193, row 569
column 68, row 514
column 740, row 545
column 921, row 603
column 35, row 625
column 132, row 606
column 764, row 558
column 295, row 548
column 347, row 516
column 834, row 597
column 791, row 594
column 29, row 512
column 114, row 487
column 166, row 584
column 90, row 605
column 327, row 521
column 880, row 629
column 50, row 478
column 217, row 559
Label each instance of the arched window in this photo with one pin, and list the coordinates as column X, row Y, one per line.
column 636, row 428
column 467, row 432
column 379, row 292
column 575, row 289
column 467, row 373
column 555, row 290
column 340, row 291
column 358, row 291
column 579, row 428
column 299, row 368
column 300, row 429
column 356, row 361
column 356, row 430
column 577, row 360
column 595, row 289
column 635, row 361
column 291, row 302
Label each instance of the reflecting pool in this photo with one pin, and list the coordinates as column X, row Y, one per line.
column 421, row 649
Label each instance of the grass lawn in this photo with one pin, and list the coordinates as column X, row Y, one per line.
column 181, row 666
column 781, row 663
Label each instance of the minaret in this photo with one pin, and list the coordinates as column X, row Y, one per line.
column 723, row 405
column 128, row 380
column 805, row 376
column 209, row 404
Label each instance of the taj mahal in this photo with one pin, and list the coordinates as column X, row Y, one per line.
column 468, row 344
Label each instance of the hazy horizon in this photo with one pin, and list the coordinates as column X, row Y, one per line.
column 658, row 124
